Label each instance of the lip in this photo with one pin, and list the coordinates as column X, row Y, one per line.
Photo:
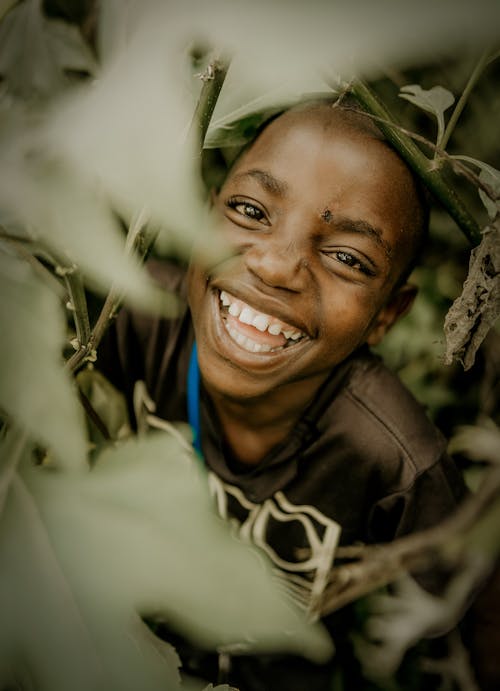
column 238, row 356
column 263, row 303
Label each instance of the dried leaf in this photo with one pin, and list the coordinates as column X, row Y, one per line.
column 476, row 310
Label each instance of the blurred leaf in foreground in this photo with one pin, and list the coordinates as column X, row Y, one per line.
column 62, row 210
column 127, row 132
column 36, row 51
column 477, row 443
column 31, row 372
column 82, row 557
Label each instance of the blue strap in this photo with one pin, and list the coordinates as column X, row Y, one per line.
column 193, row 398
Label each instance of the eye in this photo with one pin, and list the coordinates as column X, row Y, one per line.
column 246, row 209
column 352, row 261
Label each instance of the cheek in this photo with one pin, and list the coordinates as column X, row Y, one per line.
column 349, row 316
column 196, row 287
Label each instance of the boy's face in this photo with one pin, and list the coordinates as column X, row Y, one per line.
column 319, row 221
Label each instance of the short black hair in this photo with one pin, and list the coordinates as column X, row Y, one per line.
column 355, row 117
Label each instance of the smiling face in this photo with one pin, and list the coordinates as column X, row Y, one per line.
column 321, row 218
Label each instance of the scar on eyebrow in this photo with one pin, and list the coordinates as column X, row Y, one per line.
column 326, row 215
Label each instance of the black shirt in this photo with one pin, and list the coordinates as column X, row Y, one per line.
column 363, row 463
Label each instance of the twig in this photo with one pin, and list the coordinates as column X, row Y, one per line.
column 78, row 304
column 454, row 160
column 19, row 245
column 94, row 415
column 476, row 73
column 416, row 159
column 379, row 565
column 138, row 243
column 213, row 79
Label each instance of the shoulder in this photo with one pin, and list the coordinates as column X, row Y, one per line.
column 382, row 407
column 377, row 438
column 383, row 464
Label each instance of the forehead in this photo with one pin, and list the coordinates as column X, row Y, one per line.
column 330, row 165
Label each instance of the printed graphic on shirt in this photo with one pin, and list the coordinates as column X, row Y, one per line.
column 299, row 540
column 303, row 539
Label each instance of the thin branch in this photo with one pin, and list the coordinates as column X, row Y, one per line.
column 19, row 245
column 138, row 243
column 379, row 565
column 93, row 415
column 213, row 79
column 474, row 77
column 454, row 160
column 416, row 159
column 78, row 304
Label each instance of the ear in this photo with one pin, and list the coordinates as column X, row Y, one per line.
column 397, row 305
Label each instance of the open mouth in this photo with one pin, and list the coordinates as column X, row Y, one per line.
column 254, row 331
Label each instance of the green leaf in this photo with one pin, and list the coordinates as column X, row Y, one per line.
column 136, row 535
column 35, row 51
column 74, row 219
column 108, row 403
column 491, row 177
column 127, row 134
column 435, row 101
column 399, row 619
column 34, row 389
column 477, row 443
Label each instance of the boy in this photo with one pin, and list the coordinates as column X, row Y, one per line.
column 309, row 441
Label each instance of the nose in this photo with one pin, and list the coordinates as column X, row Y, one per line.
column 278, row 263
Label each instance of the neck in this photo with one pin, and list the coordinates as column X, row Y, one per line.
column 252, row 427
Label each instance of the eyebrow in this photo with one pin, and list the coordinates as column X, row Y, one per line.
column 350, row 225
column 271, row 184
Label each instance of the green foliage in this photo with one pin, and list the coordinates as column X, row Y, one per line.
column 31, row 365
column 435, row 101
column 105, row 531
column 83, row 555
column 37, row 52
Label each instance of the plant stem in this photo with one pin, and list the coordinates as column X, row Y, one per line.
column 213, row 79
column 378, row 565
column 416, row 159
column 20, row 246
column 476, row 73
column 138, row 243
column 78, row 299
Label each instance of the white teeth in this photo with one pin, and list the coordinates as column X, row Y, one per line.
column 247, row 343
column 247, row 315
column 261, row 322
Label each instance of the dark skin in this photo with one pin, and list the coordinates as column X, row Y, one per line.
column 320, row 219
